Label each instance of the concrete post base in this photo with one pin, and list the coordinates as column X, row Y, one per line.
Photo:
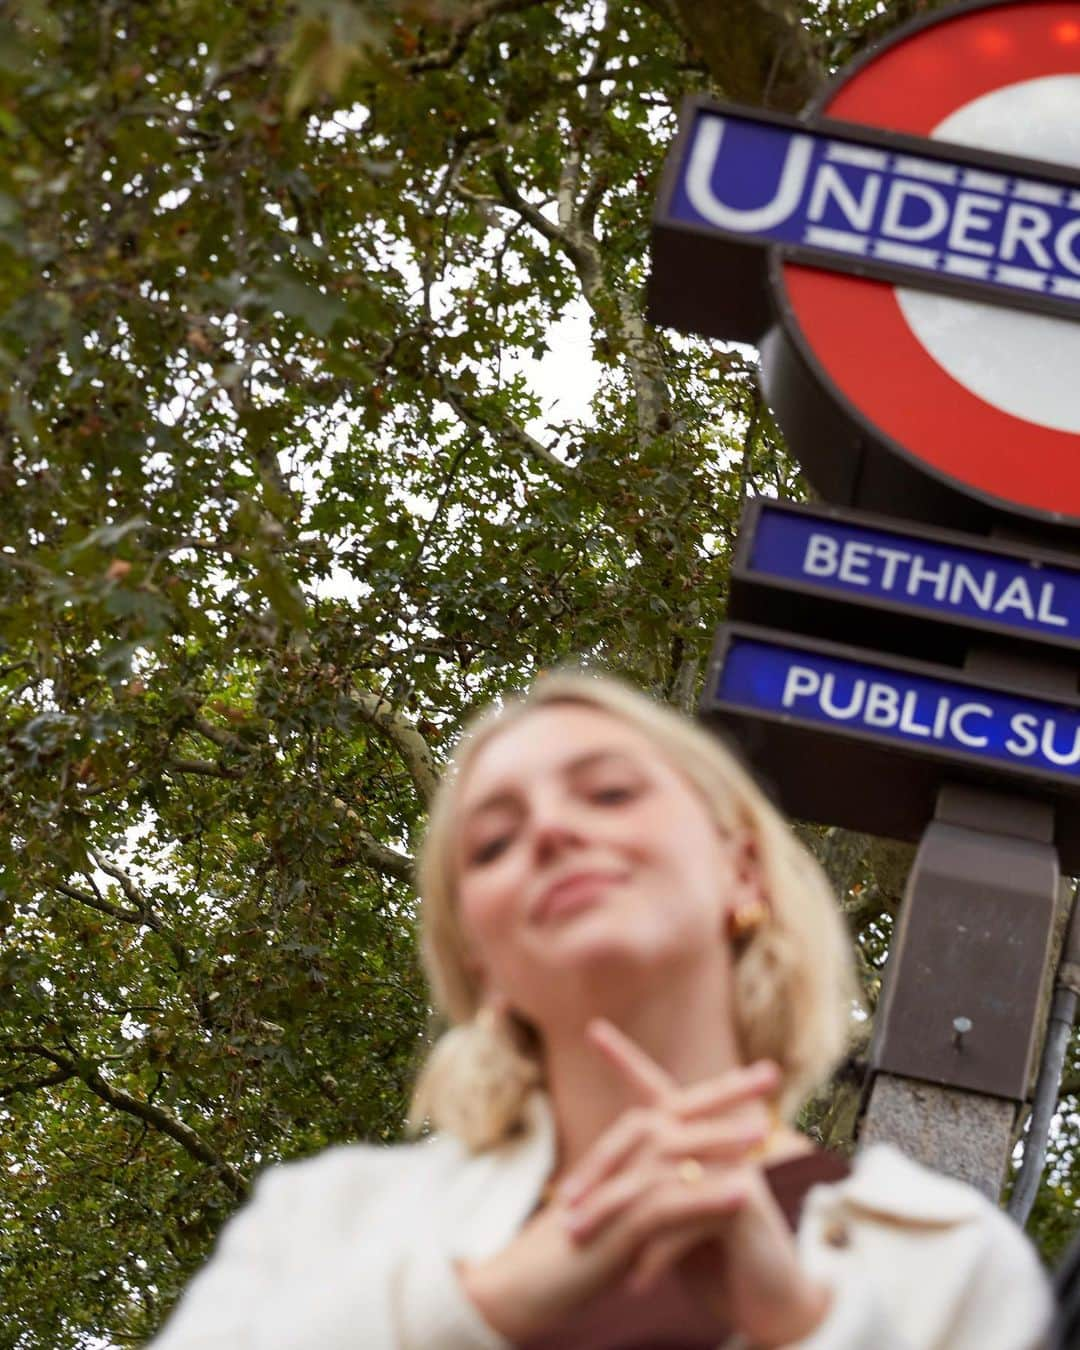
column 961, row 1134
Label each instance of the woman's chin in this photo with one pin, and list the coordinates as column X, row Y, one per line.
column 591, row 940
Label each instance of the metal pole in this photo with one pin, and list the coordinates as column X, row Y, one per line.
column 1059, row 1029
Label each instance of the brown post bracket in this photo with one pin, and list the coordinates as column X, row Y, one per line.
column 964, row 978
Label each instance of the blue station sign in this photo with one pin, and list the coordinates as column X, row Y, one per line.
column 925, row 709
column 853, row 199
column 862, row 739
column 935, row 575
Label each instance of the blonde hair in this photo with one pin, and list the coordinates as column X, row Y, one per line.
column 794, row 978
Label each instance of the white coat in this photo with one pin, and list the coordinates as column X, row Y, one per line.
column 353, row 1249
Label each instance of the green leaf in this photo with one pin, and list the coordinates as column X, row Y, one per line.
column 105, row 537
column 293, row 296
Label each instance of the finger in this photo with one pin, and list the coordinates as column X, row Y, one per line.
column 585, row 1221
column 629, row 1189
column 651, row 1083
column 759, row 1080
column 719, row 1142
column 614, row 1147
column 638, row 1129
column 659, row 1257
column 702, row 1208
column 601, row 1199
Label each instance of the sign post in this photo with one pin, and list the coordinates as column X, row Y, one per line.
column 907, row 258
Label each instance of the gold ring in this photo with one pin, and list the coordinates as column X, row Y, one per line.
column 690, row 1171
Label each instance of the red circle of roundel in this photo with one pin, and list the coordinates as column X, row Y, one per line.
column 855, row 328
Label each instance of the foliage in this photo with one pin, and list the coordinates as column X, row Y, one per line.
column 280, row 505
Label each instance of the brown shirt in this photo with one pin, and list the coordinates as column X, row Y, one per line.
column 666, row 1318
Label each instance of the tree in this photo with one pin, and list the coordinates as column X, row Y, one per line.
column 280, row 506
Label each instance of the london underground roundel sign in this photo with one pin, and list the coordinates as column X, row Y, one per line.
column 907, row 255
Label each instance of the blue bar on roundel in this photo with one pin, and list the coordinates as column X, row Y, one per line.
column 858, row 562
column 751, row 179
column 900, row 706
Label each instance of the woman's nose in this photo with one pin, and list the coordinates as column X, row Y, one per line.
column 554, row 830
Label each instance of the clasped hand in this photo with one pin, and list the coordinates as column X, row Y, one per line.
column 673, row 1184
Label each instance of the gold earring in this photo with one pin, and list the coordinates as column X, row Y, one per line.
column 744, row 922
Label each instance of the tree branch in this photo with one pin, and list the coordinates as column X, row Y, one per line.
column 218, row 735
column 757, row 51
column 139, row 901
column 506, row 430
column 410, row 745
column 102, row 905
column 32, row 1084
column 142, row 915
column 643, row 352
column 205, row 767
column 461, row 30
column 161, row 1119
column 382, row 858
column 369, row 851
column 512, row 197
column 574, row 235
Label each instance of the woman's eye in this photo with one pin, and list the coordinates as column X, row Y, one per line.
column 610, row 796
column 490, row 850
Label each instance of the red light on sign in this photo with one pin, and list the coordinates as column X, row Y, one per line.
column 1066, row 32
column 992, row 42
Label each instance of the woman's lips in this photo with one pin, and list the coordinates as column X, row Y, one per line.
column 574, row 892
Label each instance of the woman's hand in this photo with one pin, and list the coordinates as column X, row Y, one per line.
column 675, row 1176
column 543, row 1275
column 548, row 1271
column 612, row 1216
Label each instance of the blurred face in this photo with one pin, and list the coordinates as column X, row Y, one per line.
column 583, row 851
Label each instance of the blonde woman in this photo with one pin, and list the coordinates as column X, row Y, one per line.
column 646, row 974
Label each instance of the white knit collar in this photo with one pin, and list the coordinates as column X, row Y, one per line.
column 505, row 1182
